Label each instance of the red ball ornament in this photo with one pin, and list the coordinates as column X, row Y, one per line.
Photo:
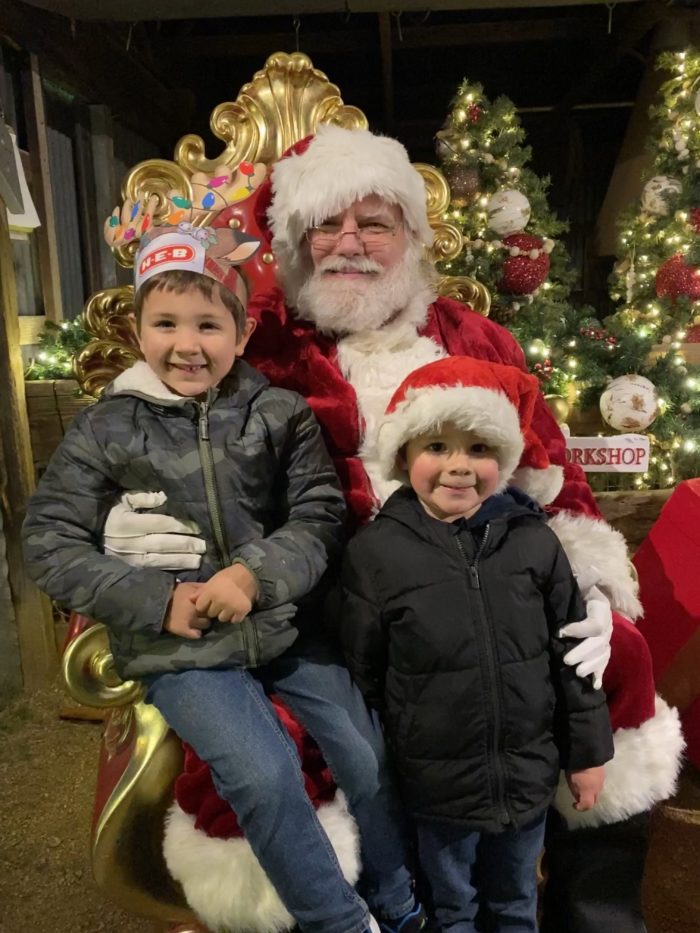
column 521, row 274
column 695, row 219
column 676, row 278
column 474, row 113
column 692, row 334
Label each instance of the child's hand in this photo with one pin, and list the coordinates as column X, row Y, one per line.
column 585, row 786
column 182, row 617
column 228, row 596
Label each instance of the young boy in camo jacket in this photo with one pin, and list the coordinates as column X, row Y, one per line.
column 247, row 464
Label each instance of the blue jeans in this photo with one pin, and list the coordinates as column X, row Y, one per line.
column 506, row 866
column 229, row 721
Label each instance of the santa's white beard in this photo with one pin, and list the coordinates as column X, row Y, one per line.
column 337, row 305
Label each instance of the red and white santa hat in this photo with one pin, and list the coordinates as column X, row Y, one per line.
column 495, row 401
column 324, row 174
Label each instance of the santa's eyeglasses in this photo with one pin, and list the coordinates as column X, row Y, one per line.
column 326, row 236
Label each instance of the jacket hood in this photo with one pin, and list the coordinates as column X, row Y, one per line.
column 141, row 382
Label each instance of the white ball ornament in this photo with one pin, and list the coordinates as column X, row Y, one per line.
column 655, row 192
column 629, row 403
column 509, row 212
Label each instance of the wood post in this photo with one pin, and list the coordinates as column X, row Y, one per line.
column 106, row 188
column 32, row 610
column 43, row 196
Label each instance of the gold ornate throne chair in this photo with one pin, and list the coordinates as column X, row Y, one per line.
column 140, row 758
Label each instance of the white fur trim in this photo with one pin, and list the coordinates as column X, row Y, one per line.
column 140, row 379
column 542, row 485
column 375, row 363
column 487, row 412
column 591, row 542
column 223, row 881
column 339, row 167
column 643, row 772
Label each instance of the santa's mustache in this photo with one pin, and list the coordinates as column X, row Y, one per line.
column 344, row 264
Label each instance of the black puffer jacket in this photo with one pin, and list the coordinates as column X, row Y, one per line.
column 450, row 631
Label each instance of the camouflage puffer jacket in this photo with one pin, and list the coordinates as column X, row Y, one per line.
column 248, row 465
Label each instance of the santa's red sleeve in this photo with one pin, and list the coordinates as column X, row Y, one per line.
column 646, row 733
column 587, row 539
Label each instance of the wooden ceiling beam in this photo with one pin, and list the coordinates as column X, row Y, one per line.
column 629, row 28
column 357, row 41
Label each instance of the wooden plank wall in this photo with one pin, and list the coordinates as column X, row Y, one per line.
column 32, row 610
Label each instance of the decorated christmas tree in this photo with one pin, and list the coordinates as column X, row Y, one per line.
column 657, row 280
column 58, row 344
column 513, row 245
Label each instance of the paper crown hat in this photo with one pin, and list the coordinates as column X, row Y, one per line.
column 495, row 401
column 194, row 233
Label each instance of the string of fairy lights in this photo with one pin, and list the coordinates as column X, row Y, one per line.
column 641, row 366
column 58, row 345
column 648, row 351
column 657, row 278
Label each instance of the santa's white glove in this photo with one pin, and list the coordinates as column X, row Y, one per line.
column 143, row 539
column 593, row 654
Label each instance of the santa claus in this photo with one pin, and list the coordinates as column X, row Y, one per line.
column 355, row 314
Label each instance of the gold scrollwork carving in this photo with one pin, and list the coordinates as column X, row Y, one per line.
column 467, row 290
column 117, row 729
column 437, row 190
column 89, row 674
column 114, row 347
column 285, row 101
column 447, row 243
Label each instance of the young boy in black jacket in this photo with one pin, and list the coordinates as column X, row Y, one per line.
column 453, row 601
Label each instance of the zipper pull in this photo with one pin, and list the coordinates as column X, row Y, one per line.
column 203, row 422
column 474, row 577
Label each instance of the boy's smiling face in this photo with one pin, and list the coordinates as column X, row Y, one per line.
column 190, row 341
column 452, row 471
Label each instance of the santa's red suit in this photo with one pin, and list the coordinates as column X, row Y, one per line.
column 348, row 381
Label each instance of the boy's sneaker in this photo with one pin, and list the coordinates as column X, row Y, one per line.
column 412, row 922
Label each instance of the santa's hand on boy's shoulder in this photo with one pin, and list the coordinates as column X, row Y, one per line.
column 586, row 786
column 143, row 538
column 593, row 654
column 182, row 617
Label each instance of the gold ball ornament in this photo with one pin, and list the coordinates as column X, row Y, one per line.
column 267, row 258
column 464, row 182
column 559, row 407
